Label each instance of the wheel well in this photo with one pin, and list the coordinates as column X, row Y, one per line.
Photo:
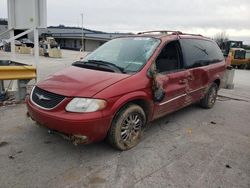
column 217, row 82
column 145, row 105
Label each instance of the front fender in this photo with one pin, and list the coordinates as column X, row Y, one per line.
column 130, row 97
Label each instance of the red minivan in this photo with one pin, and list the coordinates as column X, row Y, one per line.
column 127, row 82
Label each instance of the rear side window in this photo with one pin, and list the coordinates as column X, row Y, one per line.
column 198, row 52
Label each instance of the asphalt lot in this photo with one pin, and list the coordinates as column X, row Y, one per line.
column 193, row 147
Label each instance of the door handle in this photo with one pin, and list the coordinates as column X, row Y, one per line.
column 184, row 81
column 190, row 78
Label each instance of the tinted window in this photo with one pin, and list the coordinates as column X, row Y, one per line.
column 197, row 52
column 169, row 58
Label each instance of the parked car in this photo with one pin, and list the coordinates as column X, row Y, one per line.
column 127, row 82
column 27, row 42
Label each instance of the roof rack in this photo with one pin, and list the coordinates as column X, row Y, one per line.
column 160, row 31
column 192, row 34
column 168, row 31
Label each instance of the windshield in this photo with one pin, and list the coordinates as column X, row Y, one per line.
column 240, row 54
column 128, row 54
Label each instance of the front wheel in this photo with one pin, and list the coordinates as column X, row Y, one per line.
column 127, row 127
column 209, row 99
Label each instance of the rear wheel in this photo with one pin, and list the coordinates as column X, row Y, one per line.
column 210, row 98
column 248, row 66
column 127, row 127
column 243, row 66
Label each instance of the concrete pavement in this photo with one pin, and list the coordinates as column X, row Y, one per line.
column 193, row 147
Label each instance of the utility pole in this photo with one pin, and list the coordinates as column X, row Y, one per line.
column 82, row 49
column 36, row 53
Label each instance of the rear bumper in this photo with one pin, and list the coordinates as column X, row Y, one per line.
column 92, row 125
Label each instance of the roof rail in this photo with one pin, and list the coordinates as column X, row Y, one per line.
column 167, row 31
column 160, row 31
column 192, row 34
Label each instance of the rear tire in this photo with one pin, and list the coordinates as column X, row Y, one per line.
column 248, row 66
column 127, row 127
column 243, row 66
column 210, row 98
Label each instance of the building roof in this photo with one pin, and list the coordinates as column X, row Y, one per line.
column 62, row 31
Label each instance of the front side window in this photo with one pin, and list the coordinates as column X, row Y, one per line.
column 169, row 59
column 129, row 54
column 198, row 52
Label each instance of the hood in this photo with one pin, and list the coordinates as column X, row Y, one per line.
column 80, row 82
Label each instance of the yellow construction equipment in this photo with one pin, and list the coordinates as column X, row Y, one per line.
column 238, row 57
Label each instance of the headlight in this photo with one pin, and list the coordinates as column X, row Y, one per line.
column 85, row 105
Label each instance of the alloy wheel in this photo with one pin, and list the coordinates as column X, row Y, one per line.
column 131, row 128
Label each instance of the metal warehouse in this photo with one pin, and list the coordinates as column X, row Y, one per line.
column 71, row 37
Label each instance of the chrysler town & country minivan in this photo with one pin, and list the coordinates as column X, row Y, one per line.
column 127, row 82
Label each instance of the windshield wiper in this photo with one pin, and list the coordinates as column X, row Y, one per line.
column 105, row 63
column 78, row 63
column 99, row 64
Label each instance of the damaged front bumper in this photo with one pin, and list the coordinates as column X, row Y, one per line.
column 77, row 127
column 75, row 139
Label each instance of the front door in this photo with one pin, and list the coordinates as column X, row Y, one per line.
column 172, row 78
column 175, row 87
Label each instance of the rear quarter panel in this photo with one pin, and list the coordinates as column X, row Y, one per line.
column 216, row 71
column 208, row 74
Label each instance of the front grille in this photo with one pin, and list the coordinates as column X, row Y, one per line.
column 45, row 99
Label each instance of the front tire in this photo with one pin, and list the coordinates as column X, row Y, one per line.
column 209, row 99
column 127, row 127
